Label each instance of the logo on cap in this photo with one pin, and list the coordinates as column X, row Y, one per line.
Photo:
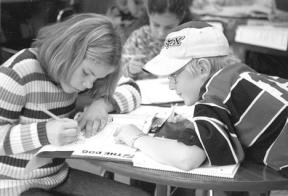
column 175, row 41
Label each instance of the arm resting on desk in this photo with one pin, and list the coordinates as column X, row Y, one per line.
column 171, row 152
column 164, row 150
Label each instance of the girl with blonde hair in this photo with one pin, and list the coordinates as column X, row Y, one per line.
column 78, row 55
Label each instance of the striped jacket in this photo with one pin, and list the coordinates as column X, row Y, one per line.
column 23, row 83
column 243, row 113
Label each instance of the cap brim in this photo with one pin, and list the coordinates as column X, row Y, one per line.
column 163, row 66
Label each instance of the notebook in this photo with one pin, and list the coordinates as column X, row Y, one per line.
column 227, row 171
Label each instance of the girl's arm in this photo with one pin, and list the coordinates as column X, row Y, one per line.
column 126, row 98
column 15, row 137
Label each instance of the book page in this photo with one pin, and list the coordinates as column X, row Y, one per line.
column 103, row 143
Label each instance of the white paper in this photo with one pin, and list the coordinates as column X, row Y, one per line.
column 103, row 144
column 228, row 171
column 157, row 91
column 265, row 36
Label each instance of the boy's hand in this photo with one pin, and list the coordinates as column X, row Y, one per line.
column 126, row 133
column 63, row 131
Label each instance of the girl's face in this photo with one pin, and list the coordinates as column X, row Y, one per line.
column 161, row 24
column 85, row 75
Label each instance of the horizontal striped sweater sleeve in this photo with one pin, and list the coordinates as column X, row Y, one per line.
column 127, row 96
column 16, row 138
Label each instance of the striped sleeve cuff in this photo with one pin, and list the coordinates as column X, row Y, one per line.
column 126, row 98
column 42, row 133
column 23, row 138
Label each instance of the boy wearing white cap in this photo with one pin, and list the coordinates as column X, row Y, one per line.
column 237, row 111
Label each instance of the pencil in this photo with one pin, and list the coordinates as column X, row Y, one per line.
column 172, row 113
column 47, row 112
column 173, row 109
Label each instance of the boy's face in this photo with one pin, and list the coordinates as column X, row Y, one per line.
column 186, row 84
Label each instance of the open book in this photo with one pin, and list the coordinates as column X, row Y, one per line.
column 103, row 145
column 227, row 171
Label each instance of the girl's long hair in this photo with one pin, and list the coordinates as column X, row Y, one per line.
column 63, row 46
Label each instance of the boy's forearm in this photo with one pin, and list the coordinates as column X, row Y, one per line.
column 171, row 152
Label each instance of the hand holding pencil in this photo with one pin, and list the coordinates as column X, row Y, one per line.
column 60, row 131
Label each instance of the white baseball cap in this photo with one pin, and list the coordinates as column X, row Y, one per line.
column 190, row 40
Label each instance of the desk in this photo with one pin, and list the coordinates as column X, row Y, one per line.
column 255, row 178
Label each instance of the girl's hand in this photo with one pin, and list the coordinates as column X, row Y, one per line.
column 63, row 131
column 126, row 134
column 95, row 117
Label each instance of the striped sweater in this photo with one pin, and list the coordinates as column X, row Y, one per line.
column 23, row 83
column 243, row 113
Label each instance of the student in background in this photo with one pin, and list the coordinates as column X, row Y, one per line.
column 138, row 11
column 146, row 42
column 237, row 111
column 119, row 12
column 127, row 15
column 81, row 53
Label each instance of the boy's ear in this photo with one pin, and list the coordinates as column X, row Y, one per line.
column 204, row 67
